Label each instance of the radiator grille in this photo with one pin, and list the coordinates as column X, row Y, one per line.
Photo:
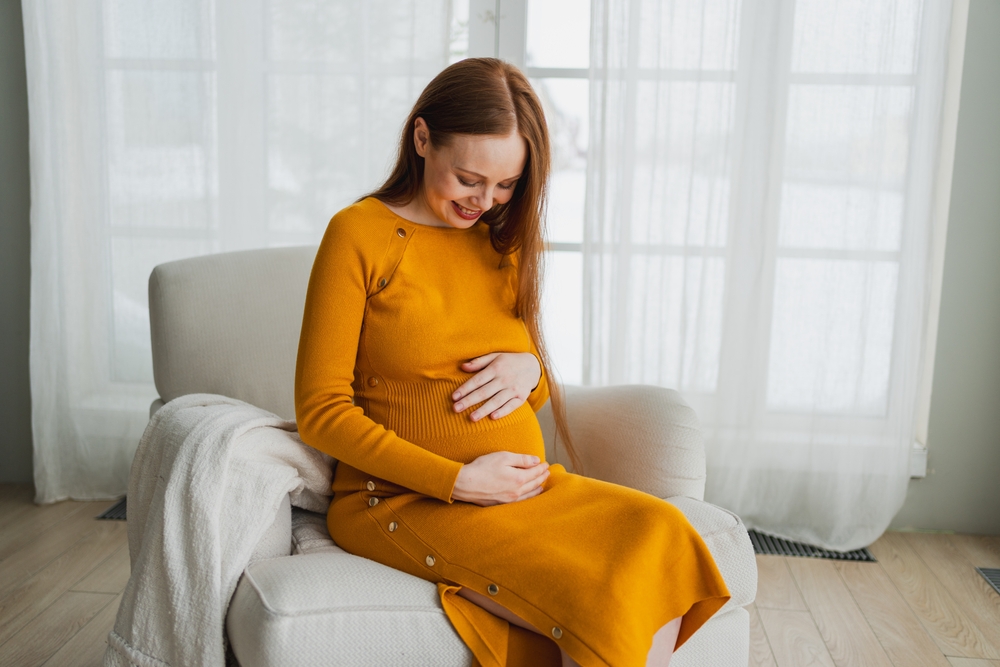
column 777, row 546
column 991, row 575
column 115, row 512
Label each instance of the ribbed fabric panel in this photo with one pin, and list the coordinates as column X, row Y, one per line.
column 422, row 411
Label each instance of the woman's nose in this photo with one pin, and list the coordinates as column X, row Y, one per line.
column 484, row 199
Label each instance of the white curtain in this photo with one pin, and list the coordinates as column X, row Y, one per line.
column 163, row 129
column 757, row 234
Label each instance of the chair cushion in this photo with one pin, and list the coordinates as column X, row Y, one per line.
column 333, row 608
column 323, row 606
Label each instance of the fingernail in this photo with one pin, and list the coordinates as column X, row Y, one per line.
column 536, row 459
column 456, row 396
column 459, row 406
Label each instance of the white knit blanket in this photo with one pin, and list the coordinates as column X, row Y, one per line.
column 206, row 483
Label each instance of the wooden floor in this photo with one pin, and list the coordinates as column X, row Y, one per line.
column 62, row 574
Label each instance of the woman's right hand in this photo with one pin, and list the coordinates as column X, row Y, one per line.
column 500, row 477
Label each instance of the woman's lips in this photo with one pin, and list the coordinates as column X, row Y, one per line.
column 462, row 212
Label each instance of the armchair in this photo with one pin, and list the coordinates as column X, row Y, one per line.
column 229, row 324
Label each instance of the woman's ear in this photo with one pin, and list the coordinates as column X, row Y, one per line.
column 421, row 136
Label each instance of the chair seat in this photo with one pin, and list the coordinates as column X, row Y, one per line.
column 323, row 606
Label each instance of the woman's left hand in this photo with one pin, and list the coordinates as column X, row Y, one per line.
column 503, row 381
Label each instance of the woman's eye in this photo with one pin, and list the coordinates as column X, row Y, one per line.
column 506, row 187
column 468, row 185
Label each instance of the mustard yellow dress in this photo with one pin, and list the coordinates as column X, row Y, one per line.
column 393, row 308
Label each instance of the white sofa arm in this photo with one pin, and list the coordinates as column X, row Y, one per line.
column 639, row 436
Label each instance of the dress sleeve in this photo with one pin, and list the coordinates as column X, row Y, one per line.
column 328, row 347
column 540, row 394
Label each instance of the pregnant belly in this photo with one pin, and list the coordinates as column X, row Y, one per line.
column 518, row 432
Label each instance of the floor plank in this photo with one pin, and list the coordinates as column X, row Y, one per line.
column 42, row 521
column 959, row 576
column 980, row 550
column 23, row 602
column 47, row 547
column 111, row 575
column 794, row 639
column 760, row 649
column 944, row 618
column 47, row 632
column 840, row 621
column 86, row 648
column 897, row 628
column 775, row 587
column 973, row 662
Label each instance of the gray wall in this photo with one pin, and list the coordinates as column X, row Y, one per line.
column 962, row 489
column 15, row 195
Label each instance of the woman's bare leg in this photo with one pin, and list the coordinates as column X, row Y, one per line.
column 664, row 642
column 509, row 616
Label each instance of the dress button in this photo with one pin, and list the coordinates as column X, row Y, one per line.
column 401, row 233
column 372, row 502
column 372, row 382
column 370, row 485
column 493, row 589
column 381, row 283
column 393, row 526
column 557, row 633
column 430, row 561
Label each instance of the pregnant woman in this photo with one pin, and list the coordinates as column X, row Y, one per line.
column 420, row 368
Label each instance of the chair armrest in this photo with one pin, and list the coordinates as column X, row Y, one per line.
column 639, row 436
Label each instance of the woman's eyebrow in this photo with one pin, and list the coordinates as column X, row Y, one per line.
column 468, row 171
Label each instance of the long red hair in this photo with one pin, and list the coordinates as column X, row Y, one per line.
column 489, row 96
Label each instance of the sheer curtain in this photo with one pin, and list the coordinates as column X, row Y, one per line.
column 163, row 129
column 757, row 235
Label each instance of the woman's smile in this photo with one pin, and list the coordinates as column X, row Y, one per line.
column 466, row 213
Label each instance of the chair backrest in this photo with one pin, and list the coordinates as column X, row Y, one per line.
column 229, row 324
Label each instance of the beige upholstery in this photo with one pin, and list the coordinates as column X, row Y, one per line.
column 634, row 435
column 229, row 324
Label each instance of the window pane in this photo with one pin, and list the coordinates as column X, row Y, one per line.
column 848, row 218
column 566, row 109
column 689, row 34
column 314, row 146
column 831, row 336
column 562, row 314
column 849, row 134
column 682, row 163
column 324, row 148
column 674, row 321
column 856, row 36
column 558, row 34
column 308, row 30
column 132, row 260
column 162, row 155
column 178, row 29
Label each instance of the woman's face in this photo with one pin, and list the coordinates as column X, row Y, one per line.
column 467, row 177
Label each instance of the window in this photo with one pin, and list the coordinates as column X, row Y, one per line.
column 845, row 113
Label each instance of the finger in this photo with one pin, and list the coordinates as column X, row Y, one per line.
column 531, row 494
column 507, row 408
column 528, row 477
column 475, row 382
column 533, row 484
column 522, row 460
column 480, row 362
column 483, row 393
column 495, row 402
